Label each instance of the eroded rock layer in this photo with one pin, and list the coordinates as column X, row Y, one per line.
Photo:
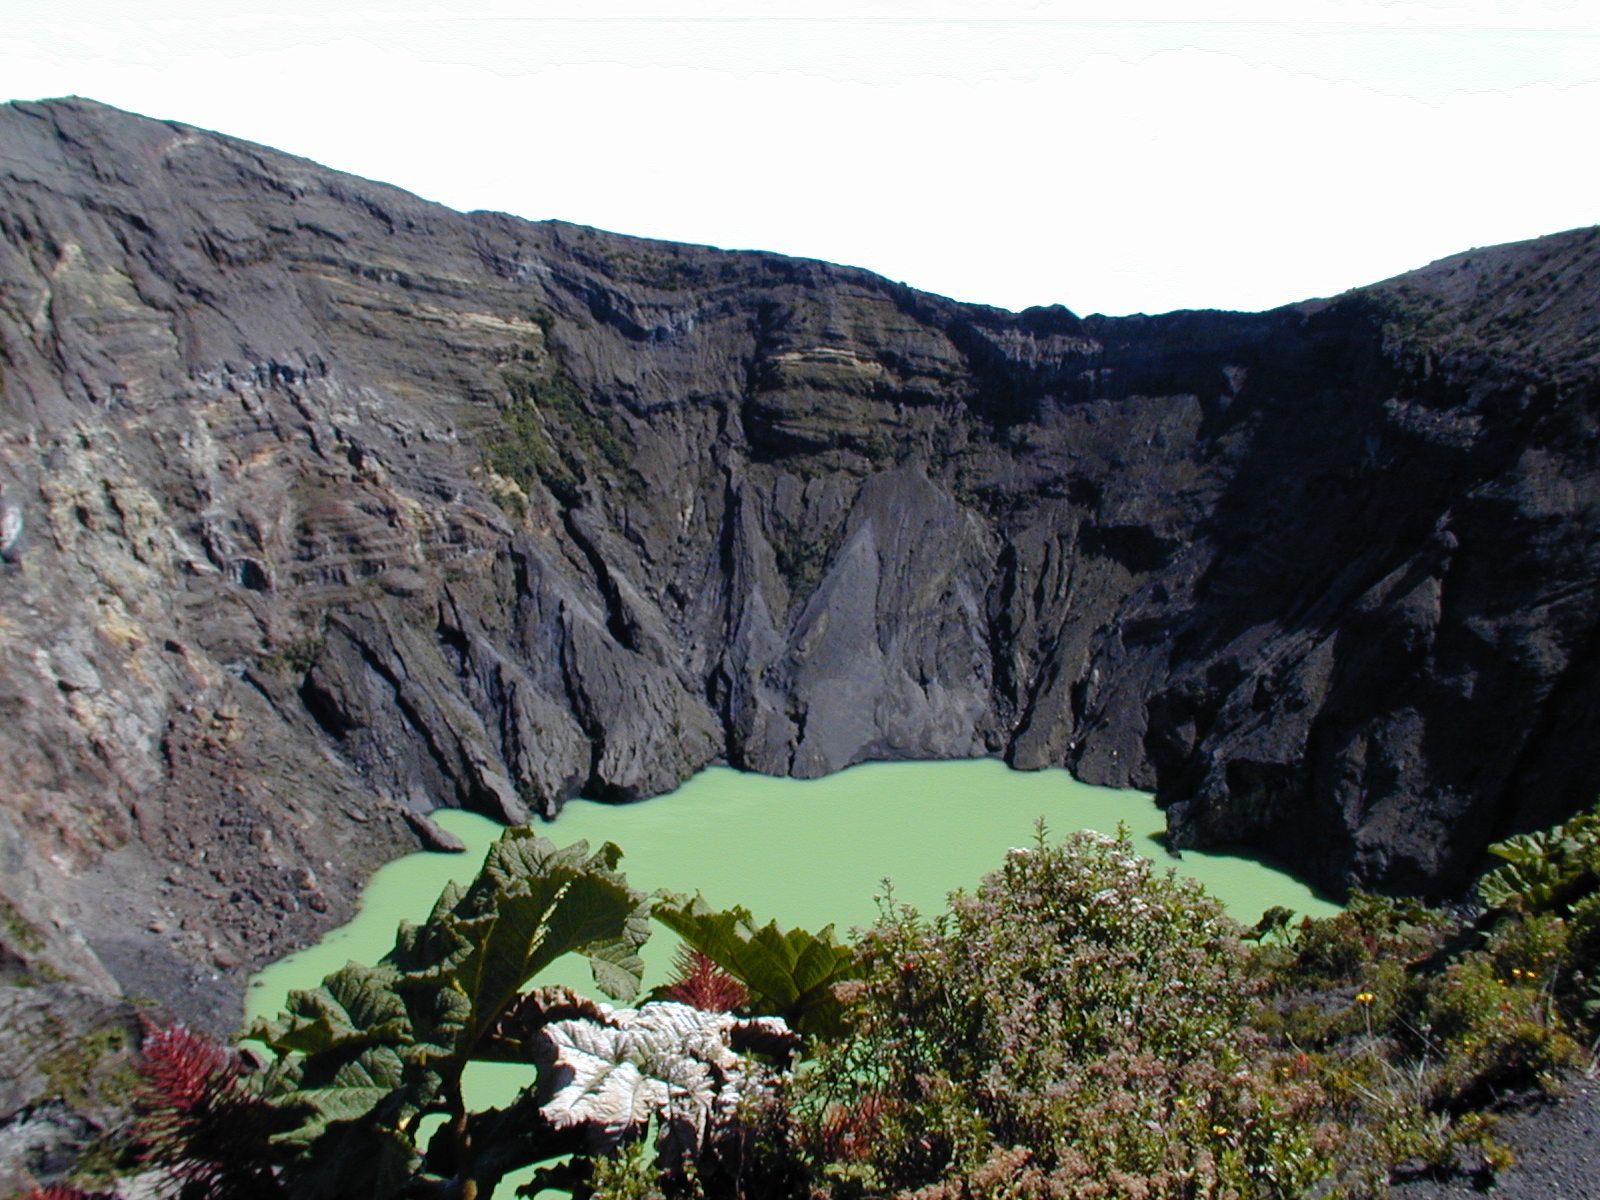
column 339, row 505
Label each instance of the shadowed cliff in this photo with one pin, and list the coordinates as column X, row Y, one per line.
column 340, row 505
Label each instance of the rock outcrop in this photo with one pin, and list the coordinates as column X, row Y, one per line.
column 341, row 506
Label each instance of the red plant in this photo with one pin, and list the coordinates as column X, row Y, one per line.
column 200, row 1117
column 701, row 983
column 851, row 1131
column 182, row 1073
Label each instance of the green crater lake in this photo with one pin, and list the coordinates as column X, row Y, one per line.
column 802, row 852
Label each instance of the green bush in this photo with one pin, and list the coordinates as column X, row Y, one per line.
column 1555, row 873
column 1079, row 1004
column 548, row 435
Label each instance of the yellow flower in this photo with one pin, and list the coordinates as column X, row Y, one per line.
column 1221, row 1130
column 1365, row 998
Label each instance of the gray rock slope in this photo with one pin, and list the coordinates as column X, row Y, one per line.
column 339, row 505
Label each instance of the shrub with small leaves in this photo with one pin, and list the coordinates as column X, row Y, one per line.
column 1497, row 1032
column 1556, row 873
column 629, row 1174
column 1080, row 1004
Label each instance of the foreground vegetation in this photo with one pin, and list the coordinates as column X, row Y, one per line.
column 1081, row 1025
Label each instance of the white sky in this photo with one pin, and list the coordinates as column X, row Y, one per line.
column 1114, row 155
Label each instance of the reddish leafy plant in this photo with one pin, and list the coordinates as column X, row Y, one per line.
column 699, row 982
column 201, row 1118
column 848, row 1132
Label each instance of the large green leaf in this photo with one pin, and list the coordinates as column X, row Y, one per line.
column 1546, row 871
column 354, row 1158
column 356, row 1090
column 355, row 1006
column 615, row 963
column 531, row 904
column 790, row 973
column 330, row 1105
column 375, row 1048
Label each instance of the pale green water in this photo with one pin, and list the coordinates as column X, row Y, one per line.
column 804, row 852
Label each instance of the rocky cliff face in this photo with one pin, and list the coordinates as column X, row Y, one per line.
column 339, row 506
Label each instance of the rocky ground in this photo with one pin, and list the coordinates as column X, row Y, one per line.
column 1557, row 1148
column 339, row 506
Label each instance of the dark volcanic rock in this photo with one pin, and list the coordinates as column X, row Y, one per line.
column 341, row 505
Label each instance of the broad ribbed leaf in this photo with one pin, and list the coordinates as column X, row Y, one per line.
column 357, row 1088
column 422, row 947
column 361, row 1158
column 378, row 1066
column 355, row 1006
column 789, row 972
column 1546, row 871
column 521, row 854
column 447, row 901
column 615, row 964
column 612, row 1096
column 531, row 904
column 328, row 1105
column 374, row 1048
column 666, row 1061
